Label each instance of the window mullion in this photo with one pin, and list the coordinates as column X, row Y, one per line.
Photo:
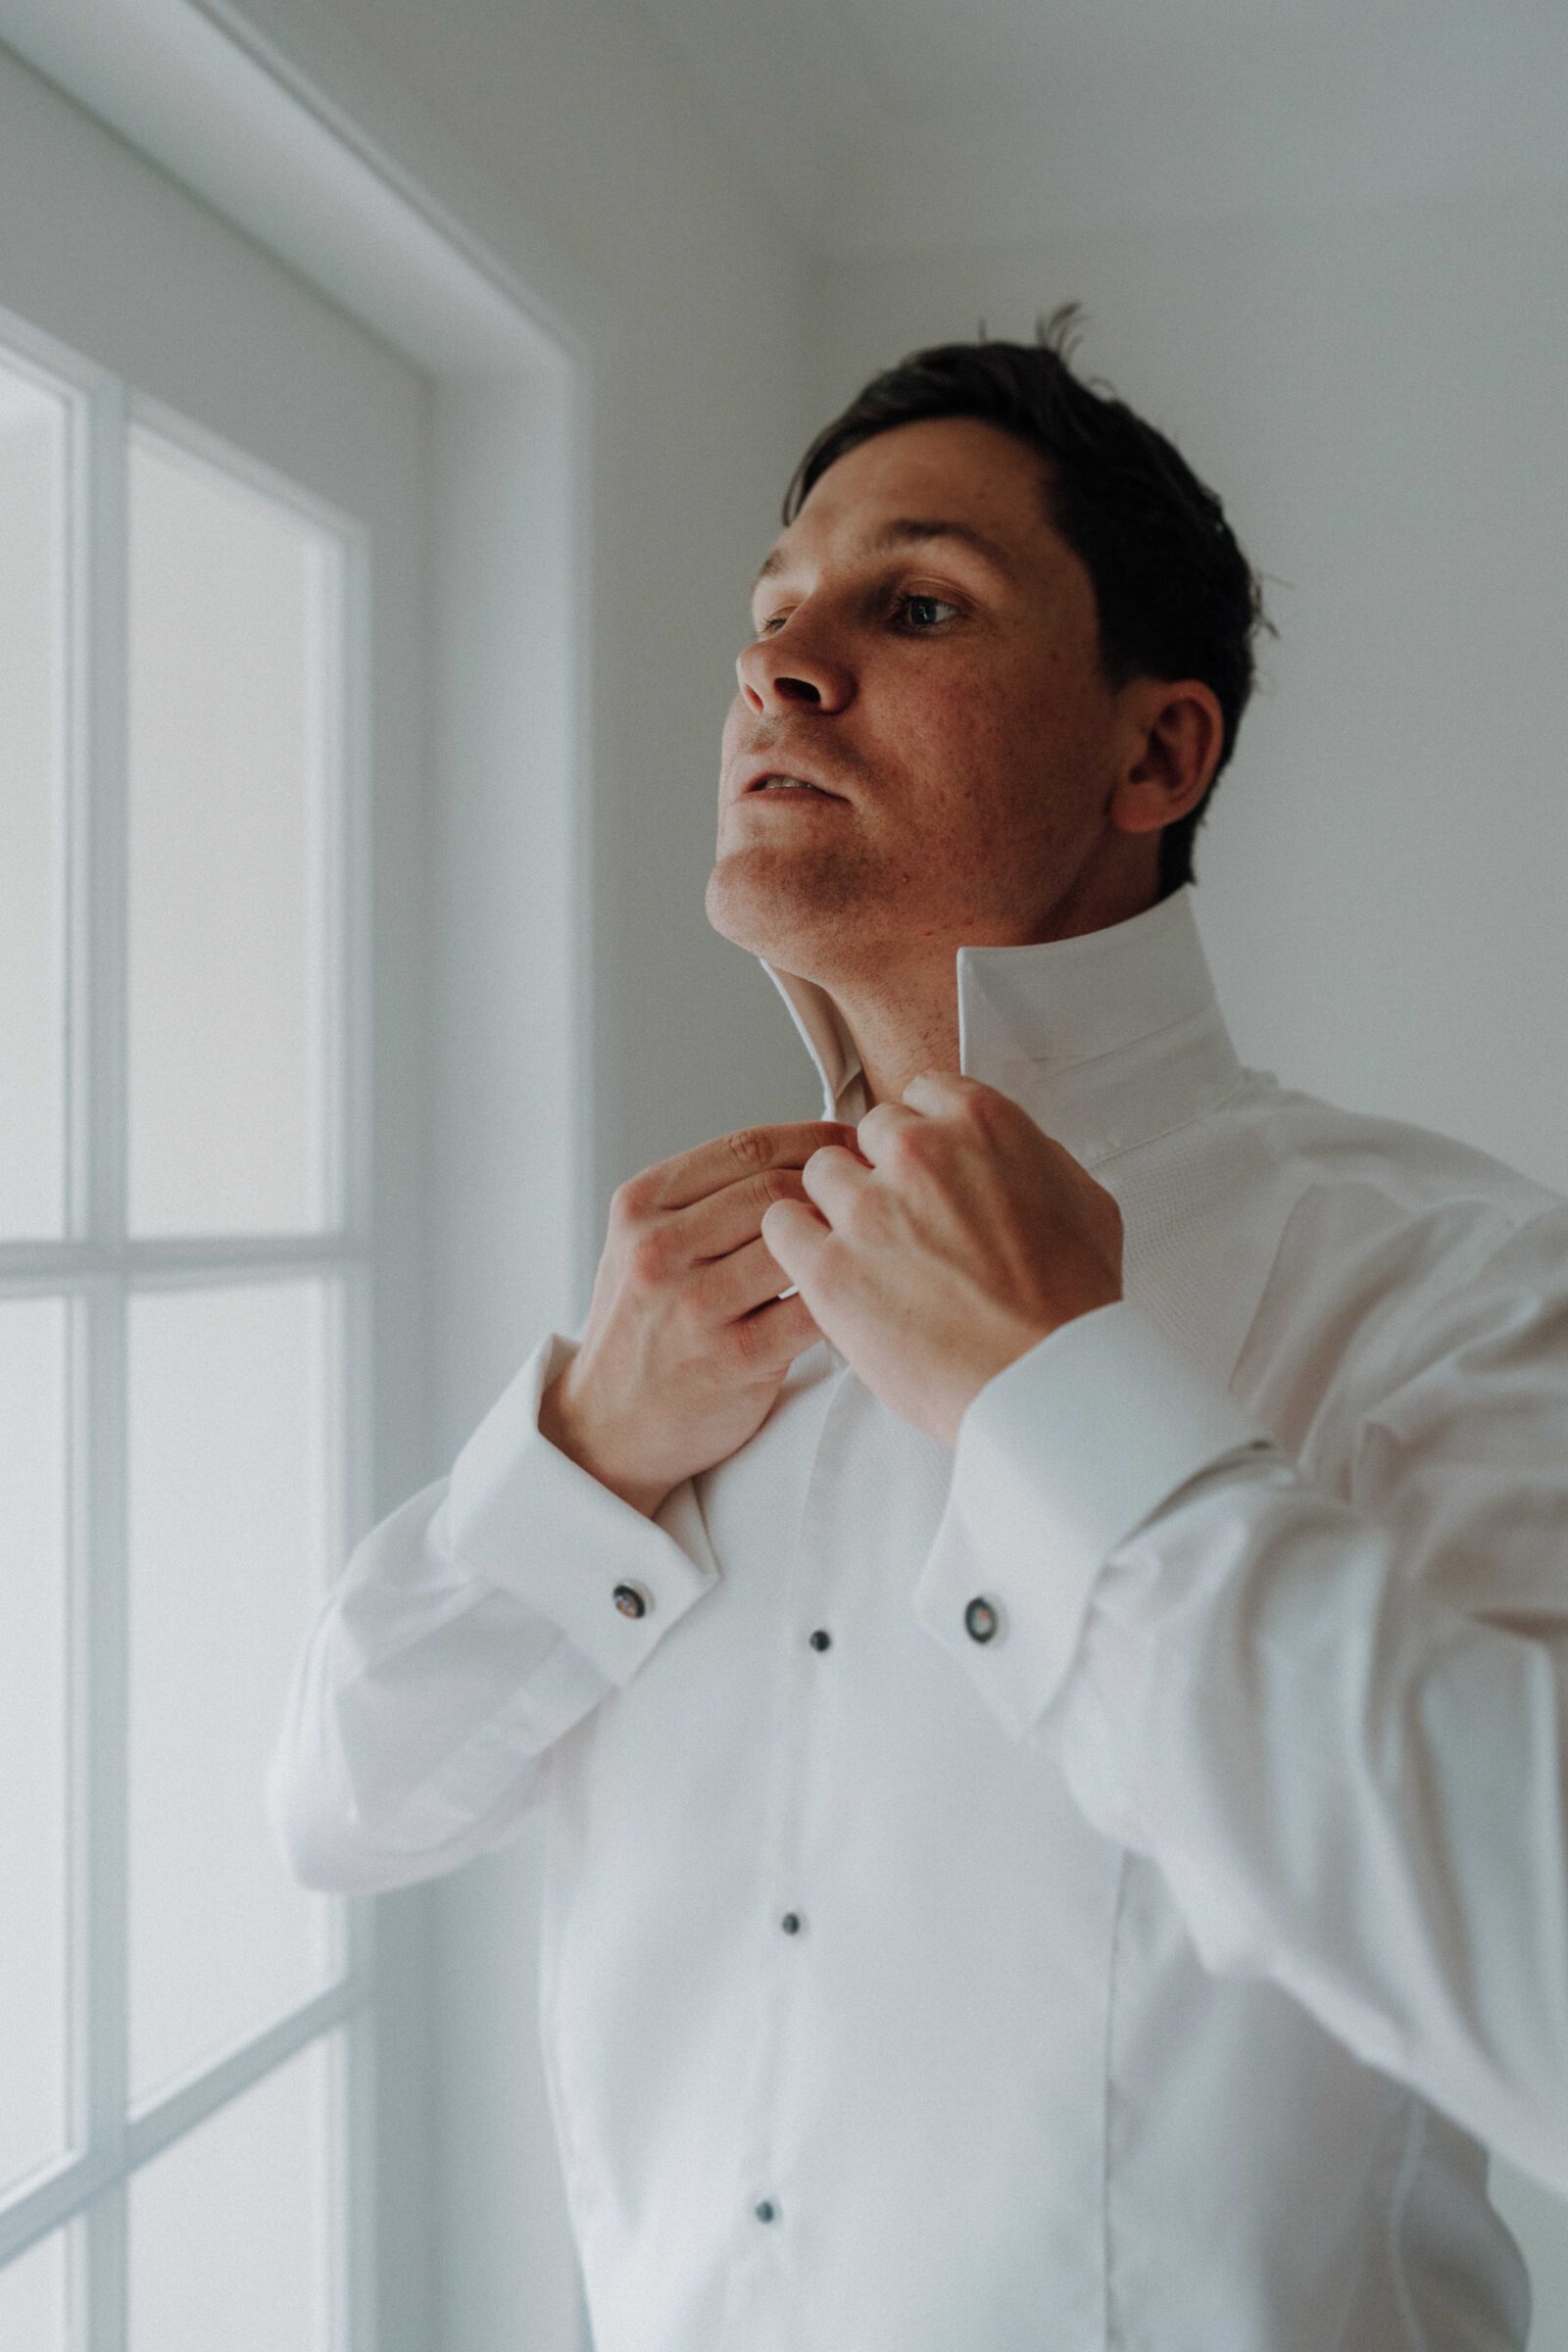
column 99, row 1433
column 346, row 1079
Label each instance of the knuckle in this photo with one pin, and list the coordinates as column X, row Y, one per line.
column 750, row 1147
column 628, row 1201
column 984, row 1108
column 908, row 1146
column 744, row 1341
column 648, row 1256
column 777, row 1184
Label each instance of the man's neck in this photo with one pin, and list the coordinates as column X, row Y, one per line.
column 897, row 1036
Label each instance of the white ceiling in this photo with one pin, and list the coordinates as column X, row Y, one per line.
column 902, row 124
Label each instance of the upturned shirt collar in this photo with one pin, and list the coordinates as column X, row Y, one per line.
column 1108, row 1039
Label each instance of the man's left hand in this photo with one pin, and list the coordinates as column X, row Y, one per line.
column 960, row 1237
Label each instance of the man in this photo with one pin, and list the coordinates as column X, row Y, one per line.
column 1038, row 1602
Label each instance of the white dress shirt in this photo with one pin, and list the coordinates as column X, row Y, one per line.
column 1102, row 1887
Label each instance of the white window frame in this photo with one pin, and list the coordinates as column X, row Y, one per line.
column 96, row 1268
column 188, row 83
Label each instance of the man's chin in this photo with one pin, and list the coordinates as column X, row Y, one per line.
column 789, row 919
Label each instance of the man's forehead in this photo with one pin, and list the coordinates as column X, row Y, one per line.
column 907, row 530
column 955, row 478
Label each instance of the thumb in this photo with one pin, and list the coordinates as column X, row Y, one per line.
column 794, row 1231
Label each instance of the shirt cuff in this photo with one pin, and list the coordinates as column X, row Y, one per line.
column 1058, row 1458
column 526, row 1515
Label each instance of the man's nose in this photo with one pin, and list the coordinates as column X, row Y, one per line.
column 786, row 670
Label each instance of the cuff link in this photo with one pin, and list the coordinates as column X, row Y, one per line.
column 980, row 1619
column 632, row 1600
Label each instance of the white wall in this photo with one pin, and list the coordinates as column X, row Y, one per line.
column 1379, row 397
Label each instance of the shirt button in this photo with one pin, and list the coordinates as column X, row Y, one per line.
column 820, row 1639
column 766, row 2210
column 980, row 1618
column 632, row 1600
column 791, row 1923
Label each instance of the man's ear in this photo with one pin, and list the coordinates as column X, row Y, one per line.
column 1175, row 732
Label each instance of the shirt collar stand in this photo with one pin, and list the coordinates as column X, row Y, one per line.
column 1106, row 1040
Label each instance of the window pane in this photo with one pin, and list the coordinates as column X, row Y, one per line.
column 233, row 662
column 233, row 1406
column 32, row 2298
column 231, row 2228
column 32, row 1735
column 33, row 580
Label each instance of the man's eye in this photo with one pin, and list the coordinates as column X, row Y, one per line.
column 922, row 626
column 915, row 598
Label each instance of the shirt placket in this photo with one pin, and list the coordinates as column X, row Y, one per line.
column 768, row 2279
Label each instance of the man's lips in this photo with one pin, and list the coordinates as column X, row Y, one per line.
column 756, row 777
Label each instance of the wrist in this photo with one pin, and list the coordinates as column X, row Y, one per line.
column 565, row 1428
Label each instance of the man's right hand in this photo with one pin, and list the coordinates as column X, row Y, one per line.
column 687, row 1342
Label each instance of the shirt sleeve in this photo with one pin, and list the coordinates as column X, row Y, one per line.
column 469, row 1630
column 1337, row 1721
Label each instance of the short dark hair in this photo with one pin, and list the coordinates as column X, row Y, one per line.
column 1175, row 596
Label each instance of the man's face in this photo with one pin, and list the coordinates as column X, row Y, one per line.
column 953, row 695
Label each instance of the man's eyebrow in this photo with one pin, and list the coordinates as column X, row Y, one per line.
column 905, row 530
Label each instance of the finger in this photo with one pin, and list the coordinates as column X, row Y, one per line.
column 936, row 1090
column 705, row 1169
column 795, row 1233
column 732, row 1286
column 834, row 1178
column 732, row 1217
column 782, row 1330
column 878, row 1127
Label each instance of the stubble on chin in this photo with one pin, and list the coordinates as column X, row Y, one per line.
column 802, row 910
